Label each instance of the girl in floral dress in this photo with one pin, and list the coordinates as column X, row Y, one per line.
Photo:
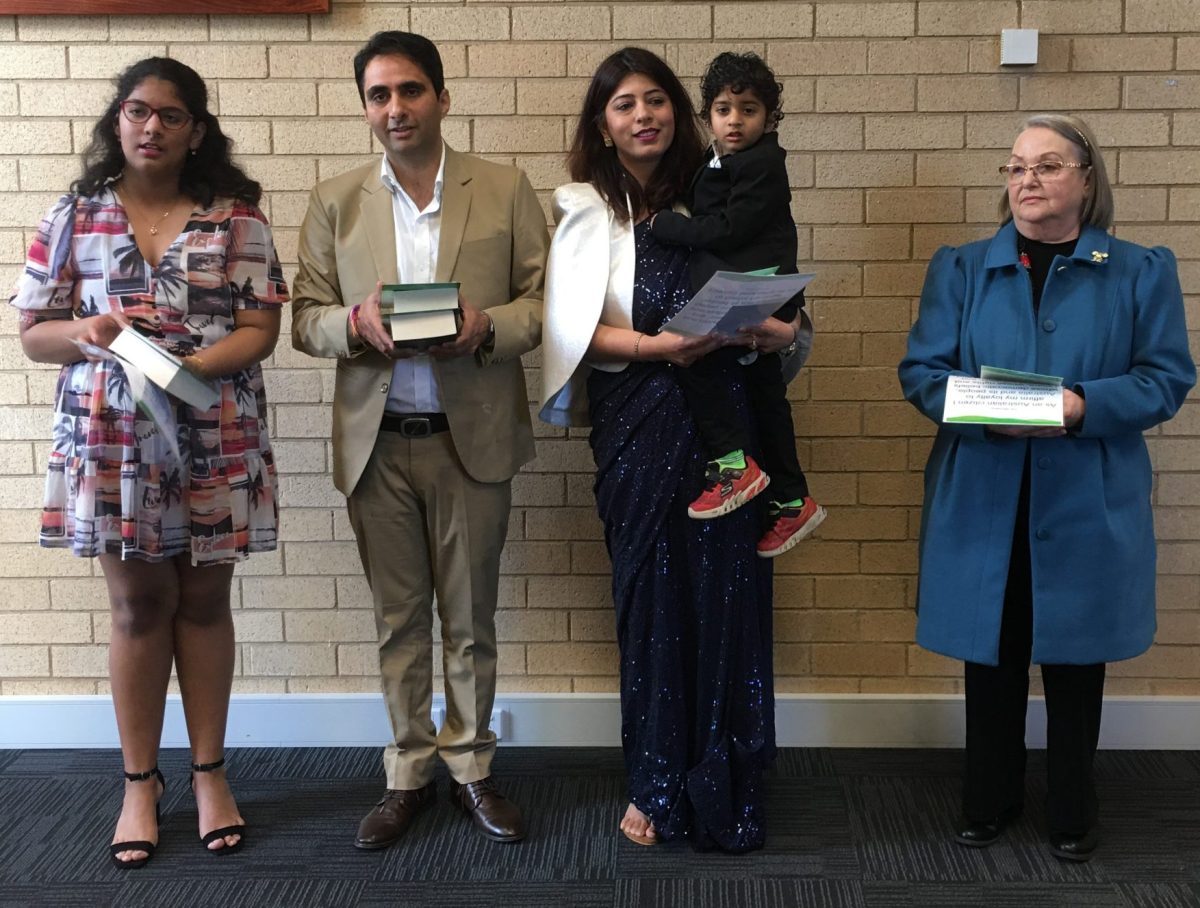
column 161, row 232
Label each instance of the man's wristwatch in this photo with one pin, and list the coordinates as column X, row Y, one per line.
column 489, row 339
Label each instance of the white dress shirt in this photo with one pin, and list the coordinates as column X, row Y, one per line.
column 414, row 387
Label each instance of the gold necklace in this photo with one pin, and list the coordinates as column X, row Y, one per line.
column 154, row 226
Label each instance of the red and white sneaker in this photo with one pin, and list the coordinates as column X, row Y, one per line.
column 727, row 489
column 789, row 526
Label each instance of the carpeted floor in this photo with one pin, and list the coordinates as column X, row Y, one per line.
column 862, row 828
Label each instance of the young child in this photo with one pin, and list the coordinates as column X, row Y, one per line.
column 741, row 221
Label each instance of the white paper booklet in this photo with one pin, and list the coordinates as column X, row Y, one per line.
column 164, row 370
column 731, row 300
column 1004, row 397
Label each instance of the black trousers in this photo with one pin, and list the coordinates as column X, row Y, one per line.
column 705, row 386
column 996, row 701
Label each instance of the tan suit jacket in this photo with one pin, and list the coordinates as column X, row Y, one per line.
column 493, row 242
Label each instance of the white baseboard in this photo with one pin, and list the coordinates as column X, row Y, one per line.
column 587, row 720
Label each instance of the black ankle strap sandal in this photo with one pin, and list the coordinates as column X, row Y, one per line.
column 148, row 847
column 210, row 837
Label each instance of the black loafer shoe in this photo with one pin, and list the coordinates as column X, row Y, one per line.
column 975, row 834
column 1075, row 847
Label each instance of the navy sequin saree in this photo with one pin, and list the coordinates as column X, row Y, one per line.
column 693, row 601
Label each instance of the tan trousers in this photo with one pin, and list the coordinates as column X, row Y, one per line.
column 425, row 527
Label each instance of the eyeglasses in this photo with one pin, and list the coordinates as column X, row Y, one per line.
column 170, row 117
column 1045, row 171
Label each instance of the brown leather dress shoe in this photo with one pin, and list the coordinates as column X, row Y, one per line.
column 496, row 816
column 388, row 819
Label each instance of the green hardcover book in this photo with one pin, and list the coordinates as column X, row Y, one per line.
column 164, row 369
column 421, row 315
column 418, row 297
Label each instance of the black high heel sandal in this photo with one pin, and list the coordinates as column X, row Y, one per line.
column 209, row 837
column 147, row 847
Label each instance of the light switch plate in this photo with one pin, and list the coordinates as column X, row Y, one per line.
column 1018, row 46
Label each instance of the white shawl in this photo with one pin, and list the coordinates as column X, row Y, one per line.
column 589, row 281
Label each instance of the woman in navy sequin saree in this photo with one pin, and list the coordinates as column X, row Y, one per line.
column 692, row 600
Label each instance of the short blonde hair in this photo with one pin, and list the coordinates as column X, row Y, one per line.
column 1098, row 206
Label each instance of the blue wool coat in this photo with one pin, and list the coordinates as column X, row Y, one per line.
column 1111, row 323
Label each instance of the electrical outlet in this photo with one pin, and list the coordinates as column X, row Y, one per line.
column 500, row 724
column 499, row 720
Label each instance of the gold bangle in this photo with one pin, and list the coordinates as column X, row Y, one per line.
column 200, row 369
column 637, row 343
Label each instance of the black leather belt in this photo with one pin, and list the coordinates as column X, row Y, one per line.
column 414, row 425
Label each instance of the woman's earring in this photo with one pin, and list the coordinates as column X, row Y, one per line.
column 608, row 142
column 193, row 152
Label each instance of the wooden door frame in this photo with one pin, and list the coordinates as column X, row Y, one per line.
column 159, row 7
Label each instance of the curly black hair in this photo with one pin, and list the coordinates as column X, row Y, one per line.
column 208, row 174
column 739, row 73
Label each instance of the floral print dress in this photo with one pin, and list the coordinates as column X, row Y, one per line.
column 114, row 484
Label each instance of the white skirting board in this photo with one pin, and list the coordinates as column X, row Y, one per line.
column 587, row 720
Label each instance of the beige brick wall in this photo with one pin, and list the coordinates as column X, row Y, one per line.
column 898, row 114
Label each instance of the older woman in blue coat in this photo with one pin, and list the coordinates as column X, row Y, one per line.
column 1038, row 543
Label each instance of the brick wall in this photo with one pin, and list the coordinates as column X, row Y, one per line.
column 897, row 116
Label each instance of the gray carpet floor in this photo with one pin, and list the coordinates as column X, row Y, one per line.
column 856, row 828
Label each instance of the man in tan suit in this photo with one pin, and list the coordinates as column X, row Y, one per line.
column 425, row 446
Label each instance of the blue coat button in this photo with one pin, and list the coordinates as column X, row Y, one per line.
column 1044, row 463
column 1043, row 534
column 1048, row 325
